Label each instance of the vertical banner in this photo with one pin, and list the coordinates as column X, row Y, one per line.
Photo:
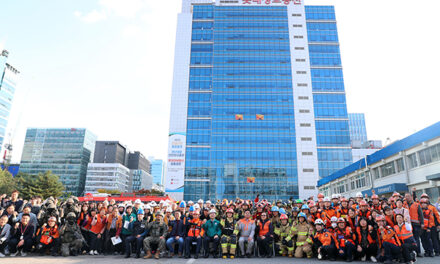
column 176, row 165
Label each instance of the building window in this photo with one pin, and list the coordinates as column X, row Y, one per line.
column 376, row 173
column 298, row 37
column 412, row 160
column 307, row 153
column 306, row 139
column 388, row 169
column 400, row 165
column 301, row 72
column 308, row 170
column 299, row 48
column 296, row 15
column 303, row 98
column 305, row 125
column 302, row 84
column 304, row 111
column 297, row 25
column 429, row 155
column 300, row 60
column 360, row 181
column 340, row 187
column 309, row 187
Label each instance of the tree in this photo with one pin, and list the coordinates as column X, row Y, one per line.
column 109, row 191
column 44, row 184
column 7, row 182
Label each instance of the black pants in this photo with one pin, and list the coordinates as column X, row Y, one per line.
column 435, row 240
column 417, row 231
column 94, row 241
column 328, row 252
column 348, row 250
column 264, row 245
column 54, row 246
column 409, row 245
column 188, row 242
column 368, row 251
column 207, row 240
column 3, row 245
column 129, row 242
column 86, row 234
column 108, row 245
column 391, row 251
column 13, row 242
column 426, row 241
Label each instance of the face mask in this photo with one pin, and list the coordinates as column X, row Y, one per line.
column 334, row 225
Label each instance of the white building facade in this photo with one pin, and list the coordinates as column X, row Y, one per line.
column 411, row 162
column 108, row 176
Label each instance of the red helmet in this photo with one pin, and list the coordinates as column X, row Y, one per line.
column 380, row 218
column 425, row 195
column 375, row 196
column 363, row 203
column 424, row 200
column 260, row 205
column 312, row 204
column 320, row 195
column 230, row 210
column 284, row 217
column 341, row 220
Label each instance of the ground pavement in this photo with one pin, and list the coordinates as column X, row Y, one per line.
column 120, row 259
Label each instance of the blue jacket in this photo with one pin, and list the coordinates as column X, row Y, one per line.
column 177, row 228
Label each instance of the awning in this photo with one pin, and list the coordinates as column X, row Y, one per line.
column 394, row 187
column 433, row 177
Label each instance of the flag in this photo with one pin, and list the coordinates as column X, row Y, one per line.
column 260, row 117
column 238, row 117
column 250, row 179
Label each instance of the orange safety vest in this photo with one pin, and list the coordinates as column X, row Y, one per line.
column 414, row 213
column 388, row 236
column 48, row 234
column 325, row 237
column 344, row 235
column 263, row 228
column 402, row 233
column 359, row 235
column 428, row 218
column 343, row 212
column 436, row 214
column 195, row 228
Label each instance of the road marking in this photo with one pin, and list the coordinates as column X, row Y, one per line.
column 191, row 261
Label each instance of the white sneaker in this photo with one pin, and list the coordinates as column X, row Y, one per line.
column 14, row 254
column 1, row 255
column 23, row 254
column 91, row 252
column 319, row 256
column 373, row 259
column 96, row 252
column 364, row 258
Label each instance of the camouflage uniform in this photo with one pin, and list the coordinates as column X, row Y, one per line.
column 71, row 237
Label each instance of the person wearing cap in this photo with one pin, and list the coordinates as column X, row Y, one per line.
column 176, row 234
column 137, row 206
column 324, row 242
column 213, row 231
column 366, row 238
column 428, row 218
column 113, row 229
column 194, row 233
column 328, row 212
column 138, row 230
column 404, row 233
column 157, row 232
column 389, row 242
column 346, row 239
column 205, row 214
column 48, row 237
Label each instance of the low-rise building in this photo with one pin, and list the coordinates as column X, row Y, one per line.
column 107, row 176
column 140, row 180
column 411, row 162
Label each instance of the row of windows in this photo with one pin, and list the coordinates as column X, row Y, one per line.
column 423, row 157
column 311, row 26
column 322, row 36
column 329, row 98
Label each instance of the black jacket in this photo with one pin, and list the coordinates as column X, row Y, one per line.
column 26, row 231
column 177, row 228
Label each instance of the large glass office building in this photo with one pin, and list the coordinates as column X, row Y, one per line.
column 8, row 82
column 358, row 129
column 258, row 101
column 64, row 151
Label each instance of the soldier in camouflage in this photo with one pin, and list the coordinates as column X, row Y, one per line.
column 157, row 233
column 72, row 239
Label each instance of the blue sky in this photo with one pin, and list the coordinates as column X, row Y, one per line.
column 107, row 65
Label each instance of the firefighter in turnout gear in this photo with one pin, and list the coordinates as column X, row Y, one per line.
column 229, row 234
column 302, row 232
column 283, row 238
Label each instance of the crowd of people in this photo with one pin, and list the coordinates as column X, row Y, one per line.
column 346, row 228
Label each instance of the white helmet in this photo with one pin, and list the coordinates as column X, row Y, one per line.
column 153, row 204
column 169, row 210
column 334, row 196
column 200, row 201
column 147, row 207
column 208, row 202
column 334, row 219
column 190, row 203
column 138, row 201
column 196, row 206
column 359, row 195
column 319, row 221
column 212, row 211
column 326, row 199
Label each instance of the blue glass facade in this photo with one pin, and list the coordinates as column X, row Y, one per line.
column 157, row 171
column 65, row 152
column 240, row 128
column 8, row 82
column 331, row 117
column 358, row 129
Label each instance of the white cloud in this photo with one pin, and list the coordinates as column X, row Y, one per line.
column 132, row 31
column 126, row 8
column 91, row 17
